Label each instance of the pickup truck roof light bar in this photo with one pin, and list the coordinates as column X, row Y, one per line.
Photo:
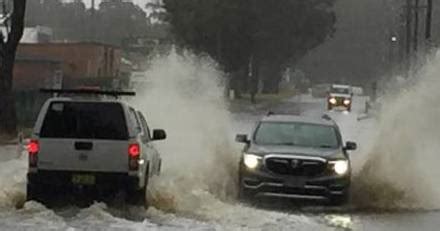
column 116, row 94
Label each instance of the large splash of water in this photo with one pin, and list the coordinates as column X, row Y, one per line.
column 401, row 170
column 184, row 94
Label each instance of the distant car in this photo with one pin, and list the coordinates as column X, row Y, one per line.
column 295, row 157
column 340, row 96
column 84, row 144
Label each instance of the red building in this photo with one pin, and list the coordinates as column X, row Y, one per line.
column 33, row 72
column 71, row 63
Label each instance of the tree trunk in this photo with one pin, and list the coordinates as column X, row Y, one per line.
column 272, row 78
column 8, row 117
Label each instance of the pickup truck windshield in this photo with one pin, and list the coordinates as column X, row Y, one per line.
column 296, row 134
column 85, row 121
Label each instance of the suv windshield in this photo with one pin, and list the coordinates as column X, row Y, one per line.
column 85, row 121
column 296, row 134
column 340, row 90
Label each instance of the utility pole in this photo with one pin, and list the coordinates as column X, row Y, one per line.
column 92, row 21
column 408, row 40
column 416, row 26
column 428, row 21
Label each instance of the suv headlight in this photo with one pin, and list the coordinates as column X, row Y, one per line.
column 340, row 167
column 251, row 161
column 347, row 101
column 332, row 100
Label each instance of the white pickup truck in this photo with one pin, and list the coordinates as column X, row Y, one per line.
column 85, row 144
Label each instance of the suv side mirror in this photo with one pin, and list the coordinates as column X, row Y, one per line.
column 241, row 138
column 159, row 134
column 350, row 146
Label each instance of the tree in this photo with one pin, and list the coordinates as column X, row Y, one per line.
column 270, row 35
column 156, row 12
column 8, row 47
column 112, row 22
column 118, row 19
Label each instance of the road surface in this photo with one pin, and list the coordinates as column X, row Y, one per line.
column 201, row 208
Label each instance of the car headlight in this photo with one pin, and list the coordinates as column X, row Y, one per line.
column 340, row 167
column 347, row 101
column 251, row 161
column 332, row 100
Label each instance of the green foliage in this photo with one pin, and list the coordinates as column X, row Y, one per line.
column 220, row 28
column 274, row 33
column 114, row 21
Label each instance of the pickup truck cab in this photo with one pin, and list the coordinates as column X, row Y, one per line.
column 91, row 145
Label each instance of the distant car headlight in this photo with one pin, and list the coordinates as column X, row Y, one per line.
column 251, row 161
column 340, row 167
column 347, row 101
column 332, row 100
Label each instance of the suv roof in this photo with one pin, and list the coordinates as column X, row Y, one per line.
column 340, row 86
column 325, row 120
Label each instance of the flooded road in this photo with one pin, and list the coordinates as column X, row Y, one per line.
column 197, row 188
column 210, row 213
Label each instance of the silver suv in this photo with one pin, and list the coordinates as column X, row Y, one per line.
column 295, row 157
column 85, row 144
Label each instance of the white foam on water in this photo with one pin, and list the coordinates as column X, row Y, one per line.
column 200, row 159
column 401, row 166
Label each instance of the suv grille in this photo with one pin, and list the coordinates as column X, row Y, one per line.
column 295, row 167
column 340, row 100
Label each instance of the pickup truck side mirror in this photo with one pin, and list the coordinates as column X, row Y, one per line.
column 350, row 146
column 241, row 138
column 159, row 134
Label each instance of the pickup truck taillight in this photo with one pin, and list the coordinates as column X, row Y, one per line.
column 134, row 151
column 33, row 148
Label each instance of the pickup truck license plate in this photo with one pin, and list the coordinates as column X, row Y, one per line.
column 83, row 179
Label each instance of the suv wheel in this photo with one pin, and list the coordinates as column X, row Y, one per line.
column 243, row 195
column 329, row 107
column 339, row 200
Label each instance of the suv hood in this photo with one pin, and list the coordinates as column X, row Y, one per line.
column 302, row 151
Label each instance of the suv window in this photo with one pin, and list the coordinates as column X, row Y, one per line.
column 340, row 90
column 296, row 134
column 84, row 120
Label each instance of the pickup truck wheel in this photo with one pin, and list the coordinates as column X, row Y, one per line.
column 33, row 192
column 159, row 168
column 139, row 197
